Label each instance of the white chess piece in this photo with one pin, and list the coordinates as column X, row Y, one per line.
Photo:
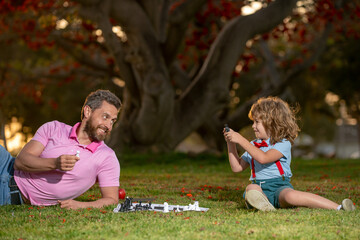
column 191, row 207
column 196, row 206
column 116, row 210
column 166, row 207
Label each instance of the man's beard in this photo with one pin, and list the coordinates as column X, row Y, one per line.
column 90, row 129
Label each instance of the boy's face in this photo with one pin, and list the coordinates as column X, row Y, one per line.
column 259, row 129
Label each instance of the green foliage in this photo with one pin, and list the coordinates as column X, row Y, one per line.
column 39, row 81
column 172, row 178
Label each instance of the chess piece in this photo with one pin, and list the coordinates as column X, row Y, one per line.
column 166, row 207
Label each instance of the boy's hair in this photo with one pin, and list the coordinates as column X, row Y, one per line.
column 95, row 99
column 277, row 117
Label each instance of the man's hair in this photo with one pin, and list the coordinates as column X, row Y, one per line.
column 95, row 99
column 277, row 117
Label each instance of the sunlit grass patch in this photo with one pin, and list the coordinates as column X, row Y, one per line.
column 180, row 179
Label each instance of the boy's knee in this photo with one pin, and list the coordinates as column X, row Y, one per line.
column 253, row 187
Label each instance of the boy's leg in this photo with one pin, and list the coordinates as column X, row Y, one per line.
column 256, row 198
column 290, row 197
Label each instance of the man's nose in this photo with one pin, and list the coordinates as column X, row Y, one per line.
column 108, row 124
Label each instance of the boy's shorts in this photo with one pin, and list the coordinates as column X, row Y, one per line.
column 272, row 188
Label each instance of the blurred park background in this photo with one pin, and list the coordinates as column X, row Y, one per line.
column 183, row 68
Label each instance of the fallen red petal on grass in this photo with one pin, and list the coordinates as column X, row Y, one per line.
column 186, row 218
column 189, row 195
column 209, row 197
column 64, row 220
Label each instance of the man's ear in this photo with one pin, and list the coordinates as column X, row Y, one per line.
column 87, row 111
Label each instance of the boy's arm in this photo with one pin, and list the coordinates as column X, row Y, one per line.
column 237, row 164
column 262, row 157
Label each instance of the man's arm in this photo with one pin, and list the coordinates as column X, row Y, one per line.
column 110, row 195
column 29, row 159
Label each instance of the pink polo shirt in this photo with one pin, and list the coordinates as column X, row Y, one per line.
column 97, row 162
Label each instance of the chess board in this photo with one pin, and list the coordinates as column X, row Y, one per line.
column 132, row 205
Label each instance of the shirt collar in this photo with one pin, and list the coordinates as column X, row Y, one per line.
column 266, row 140
column 92, row 146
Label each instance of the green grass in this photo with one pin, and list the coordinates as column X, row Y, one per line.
column 210, row 181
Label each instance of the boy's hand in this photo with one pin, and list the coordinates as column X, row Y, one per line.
column 231, row 136
column 227, row 133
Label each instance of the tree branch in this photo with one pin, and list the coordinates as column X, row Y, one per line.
column 238, row 118
column 179, row 20
column 209, row 91
column 231, row 41
column 100, row 14
column 81, row 56
column 157, row 11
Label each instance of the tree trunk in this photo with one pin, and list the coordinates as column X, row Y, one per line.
column 152, row 116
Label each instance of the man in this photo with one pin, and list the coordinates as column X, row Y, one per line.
column 62, row 162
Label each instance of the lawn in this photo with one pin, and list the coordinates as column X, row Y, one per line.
column 182, row 179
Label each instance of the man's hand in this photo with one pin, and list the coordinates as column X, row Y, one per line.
column 66, row 162
column 70, row 204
